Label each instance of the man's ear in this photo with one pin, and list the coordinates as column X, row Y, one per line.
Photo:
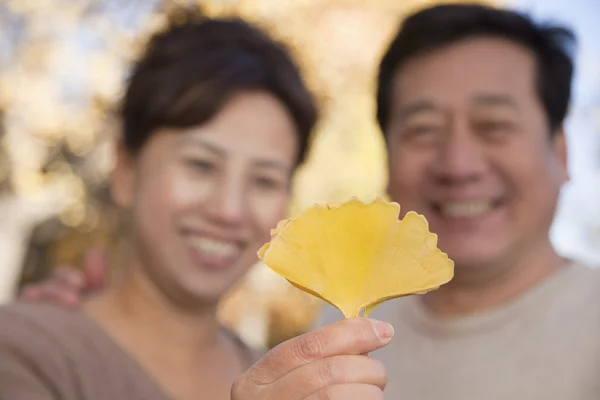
column 122, row 178
column 561, row 152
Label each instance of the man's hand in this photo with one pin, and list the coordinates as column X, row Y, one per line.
column 67, row 285
column 329, row 363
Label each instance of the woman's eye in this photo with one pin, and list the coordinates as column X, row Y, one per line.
column 267, row 183
column 201, row 165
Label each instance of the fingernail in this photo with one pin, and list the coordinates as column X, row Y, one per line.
column 383, row 330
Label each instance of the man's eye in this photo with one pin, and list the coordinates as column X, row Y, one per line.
column 421, row 133
column 423, row 130
column 494, row 127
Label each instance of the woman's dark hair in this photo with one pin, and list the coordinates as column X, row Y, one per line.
column 443, row 25
column 191, row 70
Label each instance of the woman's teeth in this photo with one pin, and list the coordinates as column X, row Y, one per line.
column 465, row 209
column 216, row 248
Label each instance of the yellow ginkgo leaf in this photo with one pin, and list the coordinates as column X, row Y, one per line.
column 355, row 256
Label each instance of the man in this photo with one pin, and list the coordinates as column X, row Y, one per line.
column 471, row 101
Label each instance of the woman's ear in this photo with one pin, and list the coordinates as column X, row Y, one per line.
column 122, row 178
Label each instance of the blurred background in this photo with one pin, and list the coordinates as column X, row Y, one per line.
column 63, row 64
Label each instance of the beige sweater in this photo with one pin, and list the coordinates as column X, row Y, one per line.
column 544, row 345
column 48, row 353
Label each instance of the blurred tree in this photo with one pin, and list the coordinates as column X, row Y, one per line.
column 62, row 67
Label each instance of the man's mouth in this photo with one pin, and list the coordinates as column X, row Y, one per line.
column 216, row 248
column 465, row 209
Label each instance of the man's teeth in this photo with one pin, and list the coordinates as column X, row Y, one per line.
column 214, row 247
column 458, row 210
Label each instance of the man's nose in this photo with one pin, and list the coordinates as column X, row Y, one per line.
column 460, row 158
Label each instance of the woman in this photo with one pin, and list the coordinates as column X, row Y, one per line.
column 216, row 119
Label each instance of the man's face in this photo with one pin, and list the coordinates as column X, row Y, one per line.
column 471, row 149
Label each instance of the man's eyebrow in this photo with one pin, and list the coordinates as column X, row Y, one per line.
column 489, row 99
column 416, row 108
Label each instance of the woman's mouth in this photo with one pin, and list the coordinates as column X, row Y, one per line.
column 213, row 253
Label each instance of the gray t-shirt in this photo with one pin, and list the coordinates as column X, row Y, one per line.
column 50, row 353
column 544, row 345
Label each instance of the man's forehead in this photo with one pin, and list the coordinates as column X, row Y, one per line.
column 482, row 99
column 474, row 65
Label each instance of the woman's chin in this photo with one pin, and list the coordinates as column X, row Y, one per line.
column 204, row 289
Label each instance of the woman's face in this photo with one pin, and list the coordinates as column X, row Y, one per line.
column 204, row 199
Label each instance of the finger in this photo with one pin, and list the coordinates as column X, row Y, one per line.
column 60, row 295
column 350, row 391
column 31, row 292
column 337, row 370
column 347, row 337
column 95, row 268
column 60, row 278
column 63, row 287
column 69, row 276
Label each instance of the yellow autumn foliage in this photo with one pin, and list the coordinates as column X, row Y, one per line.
column 357, row 255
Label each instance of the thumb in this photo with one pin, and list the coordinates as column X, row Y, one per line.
column 95, row 268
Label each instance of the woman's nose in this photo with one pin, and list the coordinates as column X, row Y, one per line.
column 227, row 204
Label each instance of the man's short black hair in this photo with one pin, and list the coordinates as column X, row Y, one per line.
column 443, row 25
column 190, row 71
